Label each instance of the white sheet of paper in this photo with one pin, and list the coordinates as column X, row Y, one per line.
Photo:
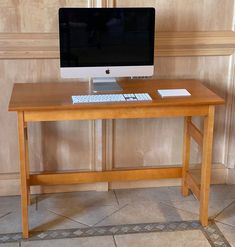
column 173, row 92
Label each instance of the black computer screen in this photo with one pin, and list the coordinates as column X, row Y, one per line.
column 91, row 37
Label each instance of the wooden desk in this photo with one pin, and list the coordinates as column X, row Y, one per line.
column 52, row 102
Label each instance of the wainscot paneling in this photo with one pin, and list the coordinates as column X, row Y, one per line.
column 194, row 39
column 169, row 44
column 36, row 16
column 187, row 15
column 63, row 145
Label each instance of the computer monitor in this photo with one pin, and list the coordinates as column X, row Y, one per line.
column 104, row 43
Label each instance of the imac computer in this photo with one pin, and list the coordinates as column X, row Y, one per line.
column 104, row 43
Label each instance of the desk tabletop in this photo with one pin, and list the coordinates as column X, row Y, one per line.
column 57, row 96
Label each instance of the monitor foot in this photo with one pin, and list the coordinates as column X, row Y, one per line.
column 105, row 85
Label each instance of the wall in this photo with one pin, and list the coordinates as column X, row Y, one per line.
column 194, row 39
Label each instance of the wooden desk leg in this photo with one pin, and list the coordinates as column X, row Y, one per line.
column 206, row 165
column 27, row 161
column 23, row 175
column 186, row 157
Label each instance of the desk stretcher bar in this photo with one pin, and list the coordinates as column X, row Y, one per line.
column 104, row 176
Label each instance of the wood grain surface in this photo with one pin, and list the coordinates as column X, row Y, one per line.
column 57, row 96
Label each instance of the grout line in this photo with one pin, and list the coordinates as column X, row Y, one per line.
column 220, row 233
column 5, row 215
column 76, row 221
column 116, row 197
column 207, row 236
column 114, row 241
column 224, row 209
column 110, row 215
column 36, row 203
column 214, row 217
column 221, row 222
column 179, row 208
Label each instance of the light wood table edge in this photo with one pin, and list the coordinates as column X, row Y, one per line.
column 115, row 113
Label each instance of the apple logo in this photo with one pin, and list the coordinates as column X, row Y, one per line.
column 107, row 71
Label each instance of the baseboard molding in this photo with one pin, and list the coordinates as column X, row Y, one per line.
column 231, row 176
column 10, row 183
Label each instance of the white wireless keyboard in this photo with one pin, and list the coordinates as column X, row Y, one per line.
column 96, row 98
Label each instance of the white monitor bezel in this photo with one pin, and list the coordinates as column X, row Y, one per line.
column 107, row 71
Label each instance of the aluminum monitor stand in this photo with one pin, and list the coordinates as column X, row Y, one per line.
column 105, row 85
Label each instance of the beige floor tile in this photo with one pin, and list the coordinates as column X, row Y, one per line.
column 38, row 220
column 151, row 194
column 9, row 204
column 192, row 238
column 227, row 216
column 10, row 245
column 85, row 207
column 77, row 199
column 144, row 212
column 90, row 208
column 105, row 241
column 215, row 206
column 177, row 194
column 222, row 192
column 89, row 215
column 228, row 232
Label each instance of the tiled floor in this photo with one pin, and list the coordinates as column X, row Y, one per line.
column 96, row 209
